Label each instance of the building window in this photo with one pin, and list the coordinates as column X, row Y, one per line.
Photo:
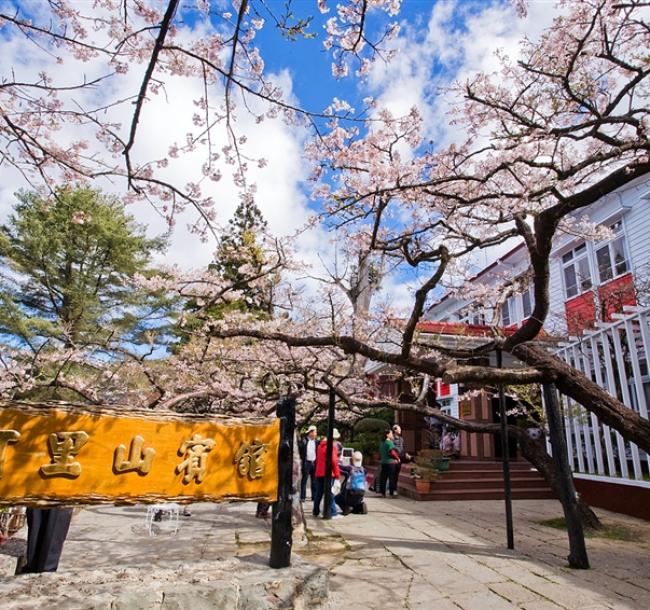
column 577, row 273
column 528, row 302
column 508, row 312
column 611, row 258
column 478, row 318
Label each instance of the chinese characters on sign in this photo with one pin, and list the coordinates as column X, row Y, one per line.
column 65, row 446
column 250, row 459
column 139, row 459
column 6, row 437
column 195, row 451
column 56, row 454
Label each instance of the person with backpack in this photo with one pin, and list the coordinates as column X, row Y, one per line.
column 351, row 498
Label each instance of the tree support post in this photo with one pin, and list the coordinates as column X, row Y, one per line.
column 327, row 497
column 505, row 458
column 577, row 549
column 281, row 529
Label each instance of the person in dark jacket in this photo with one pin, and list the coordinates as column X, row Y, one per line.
column 307, row 448
column 398, row 441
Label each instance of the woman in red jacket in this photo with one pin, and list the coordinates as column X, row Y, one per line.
column 321, row 459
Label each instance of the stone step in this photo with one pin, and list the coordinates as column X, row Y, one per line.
column 478, row 480
column 488, row 465
column 534, row 493
column 482, row 474
column 448, row 484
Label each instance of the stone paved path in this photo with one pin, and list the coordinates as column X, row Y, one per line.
column 403, row 554
column 453, row 555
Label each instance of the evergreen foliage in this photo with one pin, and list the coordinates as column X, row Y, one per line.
column 66, row 264
column 241, row 256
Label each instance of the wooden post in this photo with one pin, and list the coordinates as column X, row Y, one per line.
column 577, row 549
column 505, row 459
column 327, row 496
column 281, row 529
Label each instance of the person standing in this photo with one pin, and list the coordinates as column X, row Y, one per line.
column 46, row 532
column 389, row 461
column 398, row 441
column 262, row 511
column 307, row 448
column 321, row 460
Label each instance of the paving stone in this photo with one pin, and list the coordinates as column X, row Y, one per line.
column 437, row 604
column 253, row 536
column 570, row 596
column 486, row 600
column 541, row 605
column 514, row 592
column 470, row 567
column 402, row 554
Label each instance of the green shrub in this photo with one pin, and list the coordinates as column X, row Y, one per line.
column 371, row 425
column 367, row 443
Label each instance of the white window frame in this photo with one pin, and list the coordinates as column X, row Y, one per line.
column 574, row 262
column 531, row 299
column 509, row 305
column 619, row 236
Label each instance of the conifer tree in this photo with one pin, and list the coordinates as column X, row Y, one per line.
column 241, row 257
column 66, row 268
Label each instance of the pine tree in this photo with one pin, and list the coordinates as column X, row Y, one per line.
column 66, row 265
column 240, row 257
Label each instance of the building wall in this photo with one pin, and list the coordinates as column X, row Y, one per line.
column 632, row 206
column 473, row 445
column 618, row 497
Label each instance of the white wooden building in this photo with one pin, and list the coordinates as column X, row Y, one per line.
column 599, row 303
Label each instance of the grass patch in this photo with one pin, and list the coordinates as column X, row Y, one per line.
column 609, row 531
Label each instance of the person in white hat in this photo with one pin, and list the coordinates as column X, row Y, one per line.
column 307, row 448
column 351, row 498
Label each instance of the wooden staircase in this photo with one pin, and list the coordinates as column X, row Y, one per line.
column 478, row 480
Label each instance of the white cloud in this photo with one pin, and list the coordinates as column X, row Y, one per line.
column 166, row 119
column 459, row 41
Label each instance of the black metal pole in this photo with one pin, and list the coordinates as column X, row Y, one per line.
column 327, row 497
column 577, row 549
column 505, row 458
column 281, row 529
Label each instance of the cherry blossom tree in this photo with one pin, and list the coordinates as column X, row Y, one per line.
column 56, row 127
column 547, row 136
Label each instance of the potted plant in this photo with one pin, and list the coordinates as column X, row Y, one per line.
column 423, row 474
column 441, row 464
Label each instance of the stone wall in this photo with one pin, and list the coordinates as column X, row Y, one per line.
column 233, row 584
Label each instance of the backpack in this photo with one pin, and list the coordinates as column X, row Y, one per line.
column 357, row 480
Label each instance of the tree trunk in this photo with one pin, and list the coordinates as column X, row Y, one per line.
column 568, row 497
column 591, row 396
column 534, row 451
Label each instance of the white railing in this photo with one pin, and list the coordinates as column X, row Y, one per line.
column 616, row 356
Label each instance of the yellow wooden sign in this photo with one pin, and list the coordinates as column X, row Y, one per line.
column 57, row 454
